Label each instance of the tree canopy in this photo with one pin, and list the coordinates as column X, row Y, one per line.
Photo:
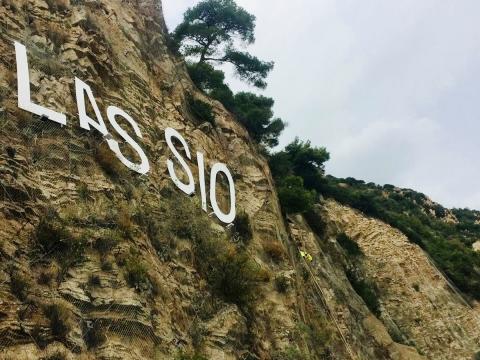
column 298, row 171
column 209, row 33
column 301, row 159
column 255, row 113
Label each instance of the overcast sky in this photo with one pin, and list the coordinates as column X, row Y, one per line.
column 391, row 88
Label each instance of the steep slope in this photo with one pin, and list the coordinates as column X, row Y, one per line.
column 98, row 262
column 120, row 49
column 418, row 306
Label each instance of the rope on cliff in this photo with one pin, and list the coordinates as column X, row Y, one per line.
column 330, row 311
column 322, row 296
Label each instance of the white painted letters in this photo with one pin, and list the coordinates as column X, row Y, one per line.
column 83, row 92
column 186, row 188
column 85, row 121
column 24, row 98
column 144, row 166
column 216, row 169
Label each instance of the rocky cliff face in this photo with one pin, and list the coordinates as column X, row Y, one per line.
column 99, row 263
column 418, row 306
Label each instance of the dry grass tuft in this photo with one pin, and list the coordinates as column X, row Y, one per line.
column 274, row 250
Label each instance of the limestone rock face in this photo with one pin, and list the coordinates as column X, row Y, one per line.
column 119, row 49
column 415, row 296
column 93, row 265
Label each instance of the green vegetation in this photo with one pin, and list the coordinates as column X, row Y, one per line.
column 57, row 36
column 281, row 284
column 19, row 285
column 56, row 242
column 94, row 280
column 58, row 355
column 293, row 196
column 94, row 335
column 212, row 82
column 242, row 228
column 366, row 290
column 448, row 243
column 57, row 5
column 274, row 250
column 189, row 356
column 60, row 319
column 298, row 171
column 109, row 162
column 201, row 110
column 256, row 114
column 136, row 272
column 106, row 243
column 349, row 245
column 228, row 269
column 209, row 32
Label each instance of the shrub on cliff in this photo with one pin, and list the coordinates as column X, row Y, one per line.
column 201, row 110
column 209, row 32
column 230, row 272
column 57, row 242
column 136, row 272
column 293, row 197
column 19, row 285
column 109, row 163
column 60, row 319
column 256, row 114
column 242, row 228
column 349, row 245
column 366, row 290
column 212, row 82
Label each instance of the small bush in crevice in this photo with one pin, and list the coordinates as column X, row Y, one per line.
column 136, row 272
column 94, row 280
column 197, row 333
column 106, row 265
column 281, row 284
column 57, row 242
column 83, row 192
column 349, row 245
column 230, row 273
column 105, row 244
column 60, row 320
column 89, row 24
column 109, row 162
column 19, row 286
column 242, row 228
column 294, row 197
column 94, row 335
column 274, row 250
column 57, row 36
column 46, row 277
column 290, row 353
column 124, row 220
column 366, row 290
column 201, row 110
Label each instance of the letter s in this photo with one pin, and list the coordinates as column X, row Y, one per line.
column 186, row 188
column 144, row 166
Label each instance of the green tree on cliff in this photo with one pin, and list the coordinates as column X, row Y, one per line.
column 209, row 32
column 256, row 114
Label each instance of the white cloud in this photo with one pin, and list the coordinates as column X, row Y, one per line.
column 390, row 88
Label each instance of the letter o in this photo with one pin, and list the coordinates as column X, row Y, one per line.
column 230, row 217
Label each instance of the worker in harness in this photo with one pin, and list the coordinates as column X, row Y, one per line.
column 306, row 256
